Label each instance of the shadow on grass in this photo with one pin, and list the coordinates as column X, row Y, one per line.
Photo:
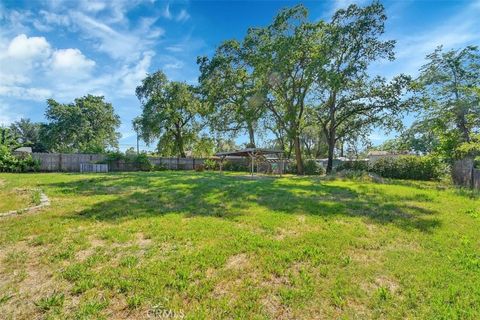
column 135, row 195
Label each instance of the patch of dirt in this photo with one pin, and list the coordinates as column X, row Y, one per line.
column 282, row 233
column 365, row 256
column 275, row 309
column 226, row 288
column 237, row 262
column 301, row 218
column 380, row 282
column 143, row 241
column 95, row 242
column 276, row 281
column 29, row 282
column 386, row 282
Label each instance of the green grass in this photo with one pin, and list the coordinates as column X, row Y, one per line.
column 207, row 245
column 14, row 198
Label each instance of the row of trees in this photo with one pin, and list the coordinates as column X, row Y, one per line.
column 304, row 87
column 305, row 83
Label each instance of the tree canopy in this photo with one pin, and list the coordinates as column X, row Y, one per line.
column 230, row 91
column 448, row 88
column 87, row 125
column 169, row 113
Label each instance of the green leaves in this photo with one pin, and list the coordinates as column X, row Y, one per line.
column 448, row 95
column 87, row 125
column 230, row 91
column 169, row 113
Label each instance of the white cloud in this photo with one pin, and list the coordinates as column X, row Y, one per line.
column 460, row 30
column 25, row 93
column 183, row 16
column 71, row 63
column 33, row 70
column 20, row 56
column 24, row 48
column 166, row 12
column 93, row 6
column 6, row 114
column 131, row 76
column 126, row 45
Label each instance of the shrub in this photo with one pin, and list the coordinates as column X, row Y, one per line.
column 352, row 165
column 291, row 167
column 159, row 167
column 200, row 168
column 210, row 164
column 312, row 167
column 140, row 161
column 409, row 167
column 12, row 163
column 234, row 166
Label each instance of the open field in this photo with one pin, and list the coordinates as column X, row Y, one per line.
column 207, row 245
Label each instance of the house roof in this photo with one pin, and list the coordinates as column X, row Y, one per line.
column 24, row 149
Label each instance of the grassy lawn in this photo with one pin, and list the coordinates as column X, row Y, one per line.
column 212, row 246
column 16, row 198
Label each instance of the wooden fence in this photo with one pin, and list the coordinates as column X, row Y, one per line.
column 58, row 162
column 54, row 162
column 464, row 174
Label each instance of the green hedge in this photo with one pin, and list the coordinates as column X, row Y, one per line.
column 11, row 163
column 403, row 167
column 141, row 160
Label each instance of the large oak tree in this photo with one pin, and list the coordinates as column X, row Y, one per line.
column 350, row 101
column 284, row 57
column 169, row 113
column 88, row 124
column 230, row 91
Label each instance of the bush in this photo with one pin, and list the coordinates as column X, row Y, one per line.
column 140, row 161
column 352, row 166
column 403, row 167
column 210, row 164
column 159, row 167
column 291, row 167
column 312, row 167
column 409, row 167
column 12, row 163
column 234, row 166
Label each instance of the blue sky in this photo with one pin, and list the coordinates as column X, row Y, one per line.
column 66, row 49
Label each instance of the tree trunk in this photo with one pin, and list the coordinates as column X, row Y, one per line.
column 251, row 135
column 331, row 149
column 298, row 155
column 461, row 119
column 180, row 146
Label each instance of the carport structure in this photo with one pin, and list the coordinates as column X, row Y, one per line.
column 256, row 156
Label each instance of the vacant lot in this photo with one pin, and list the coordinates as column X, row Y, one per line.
column 207, row 245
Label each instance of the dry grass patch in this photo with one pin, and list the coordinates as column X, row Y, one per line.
column 238, row 262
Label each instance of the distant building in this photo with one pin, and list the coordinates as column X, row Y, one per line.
column 22, row 150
